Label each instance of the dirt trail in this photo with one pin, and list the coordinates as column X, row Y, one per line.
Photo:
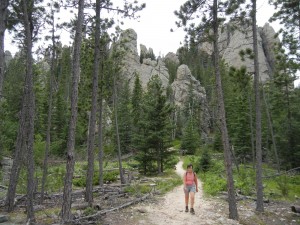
column 170, row 210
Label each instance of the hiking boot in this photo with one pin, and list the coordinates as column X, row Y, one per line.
column 186, row 209
column 192, row 211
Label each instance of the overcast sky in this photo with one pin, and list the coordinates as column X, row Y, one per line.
column 153, row 26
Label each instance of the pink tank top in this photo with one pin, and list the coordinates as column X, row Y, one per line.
column 190, row 178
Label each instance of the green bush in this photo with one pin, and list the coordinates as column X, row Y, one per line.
column 246, row 181
column 111, row 176
column 213, row 183
column 205, row 161
column 283, row 185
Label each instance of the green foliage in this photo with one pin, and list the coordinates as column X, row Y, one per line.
column 89, row 211
column 246, row 181
column 283, row 185
column 137, row 189
column 190, row 140
column 153, row 137
column 39, row 149
column 205, row 161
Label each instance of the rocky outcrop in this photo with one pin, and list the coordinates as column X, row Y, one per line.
column 131, row 62
column 6, row 164
column 132, row 67
column 234, row 38
column 171, row 58
column 182, row 84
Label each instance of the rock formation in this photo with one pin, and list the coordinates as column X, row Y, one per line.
column 234, row 38
column 171, row 58
column 182, row 84
column 132, row 66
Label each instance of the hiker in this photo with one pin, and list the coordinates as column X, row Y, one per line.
column 190, row 183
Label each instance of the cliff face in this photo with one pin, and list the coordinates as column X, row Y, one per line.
column 234, row 38
column 132, row 67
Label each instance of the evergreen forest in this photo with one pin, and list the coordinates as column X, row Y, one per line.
column 70, row 120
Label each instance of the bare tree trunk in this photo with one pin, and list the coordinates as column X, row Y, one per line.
column 66, row 214
column 259, row 185
column 100, row 137
column 50, row 100
column 15, row 170
column 233, row 213
column 91, row 137
column 3, row 14
column 117, row 132
column 31, row 109
column 271, row 130
column 251, row 130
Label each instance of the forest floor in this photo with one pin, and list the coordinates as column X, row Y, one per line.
column 169, row 209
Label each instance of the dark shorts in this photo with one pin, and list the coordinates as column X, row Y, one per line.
column 190, row 188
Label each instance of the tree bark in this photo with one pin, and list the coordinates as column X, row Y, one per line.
column 117, row 131
column 233, row 213
column 49, row 118
column 100, row 135
column 15, row 170
column 259, row 185
column 271, row 130
column 66, row 214
column 3, row 14
column 91, row 137
column 28, row 23
column 251, row 130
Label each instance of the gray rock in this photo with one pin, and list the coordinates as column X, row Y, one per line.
column 3, row 218
column 233, row 38
column 181, row 86
column 132, row 65
column 171, row 57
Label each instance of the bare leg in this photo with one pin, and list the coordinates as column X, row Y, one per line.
column 192, row 199
column 186, row 199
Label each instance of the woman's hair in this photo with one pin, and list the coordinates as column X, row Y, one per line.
column 189, row 166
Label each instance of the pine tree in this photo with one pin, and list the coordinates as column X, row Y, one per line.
column 67, row 201
column 155, row 129
column 288, row 14
column 201, row 32
column 3, row 21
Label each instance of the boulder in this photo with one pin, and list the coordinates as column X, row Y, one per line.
column 171, row 57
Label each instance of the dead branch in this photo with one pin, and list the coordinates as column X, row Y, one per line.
column 103, row 212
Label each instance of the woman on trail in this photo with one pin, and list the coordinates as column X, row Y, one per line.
column 190, row 183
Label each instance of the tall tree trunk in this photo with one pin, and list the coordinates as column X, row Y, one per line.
column 49, row 118
column 117, row 131
column 259, row 185
column 66, row 214
column 18, row 155
column 91, row 137
column 251, row 130
column 31, row 109
column 3, row 14
column 100, row 133
column 271, row 130
column 233, row 214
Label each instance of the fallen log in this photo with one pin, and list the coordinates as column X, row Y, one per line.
column 84, row 205
column 103, row 212
column 295, row 209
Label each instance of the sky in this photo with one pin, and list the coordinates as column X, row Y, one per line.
column 156, row 20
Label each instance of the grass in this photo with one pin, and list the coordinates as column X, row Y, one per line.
column 284, row 187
